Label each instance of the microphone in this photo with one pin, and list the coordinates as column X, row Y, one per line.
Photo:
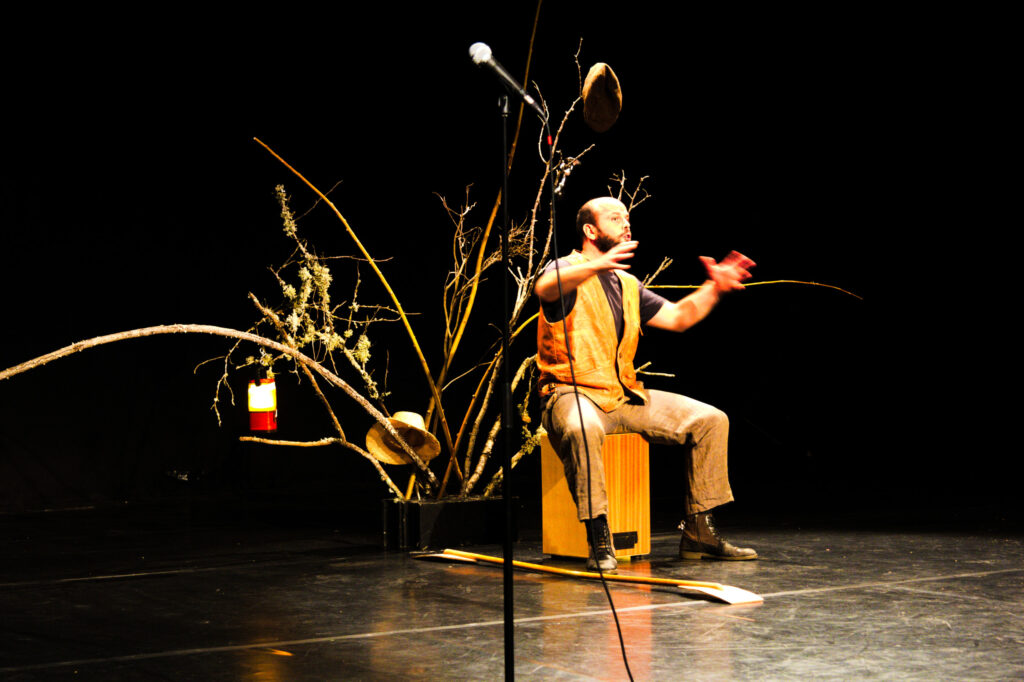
column 481, row 54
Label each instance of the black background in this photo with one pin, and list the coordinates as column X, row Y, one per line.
column 858, row 150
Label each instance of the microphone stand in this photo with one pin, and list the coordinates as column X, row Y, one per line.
column 506, row 415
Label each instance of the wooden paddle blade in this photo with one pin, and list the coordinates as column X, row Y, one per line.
column 726, row 593
column 443, row 556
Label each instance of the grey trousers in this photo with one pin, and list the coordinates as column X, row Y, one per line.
column 667, row 418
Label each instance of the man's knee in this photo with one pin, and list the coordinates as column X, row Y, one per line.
column 716, row 418
column 701, row 420
column 710, row 422
column 590, row 430
column 564, row 420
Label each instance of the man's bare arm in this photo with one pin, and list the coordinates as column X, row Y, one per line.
column 723, row 277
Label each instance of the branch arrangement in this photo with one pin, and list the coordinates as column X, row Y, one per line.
column 320, row 339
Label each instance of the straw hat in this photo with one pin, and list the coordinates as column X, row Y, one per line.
column 409, row 426
column 602, row 97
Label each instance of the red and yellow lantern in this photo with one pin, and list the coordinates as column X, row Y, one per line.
column 262, row 405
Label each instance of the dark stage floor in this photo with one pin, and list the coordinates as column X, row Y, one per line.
column 132, row 595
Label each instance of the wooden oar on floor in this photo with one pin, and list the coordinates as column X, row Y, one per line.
column 726, row 593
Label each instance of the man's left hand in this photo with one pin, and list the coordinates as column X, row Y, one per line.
column 730, row 274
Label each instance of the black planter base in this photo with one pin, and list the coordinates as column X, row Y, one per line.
column 437, row 524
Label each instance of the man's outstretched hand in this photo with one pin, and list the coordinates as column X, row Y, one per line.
column 730, row 274
column 615, row 258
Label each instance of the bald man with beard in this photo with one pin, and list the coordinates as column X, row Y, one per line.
column 604, row 309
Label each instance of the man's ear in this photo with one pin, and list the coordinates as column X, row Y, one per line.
column 589, row 231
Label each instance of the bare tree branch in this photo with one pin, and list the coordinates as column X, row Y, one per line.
column 394, row 298
column 298, row 356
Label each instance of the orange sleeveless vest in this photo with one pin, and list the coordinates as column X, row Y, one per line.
column 603, row 365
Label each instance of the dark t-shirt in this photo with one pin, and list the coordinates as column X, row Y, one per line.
column 650, row 302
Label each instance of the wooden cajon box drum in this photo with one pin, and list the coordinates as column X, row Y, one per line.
column 628, row 482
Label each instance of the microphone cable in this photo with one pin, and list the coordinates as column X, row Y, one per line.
column 592, row 539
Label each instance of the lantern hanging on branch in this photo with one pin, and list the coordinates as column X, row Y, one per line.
column 262, row 404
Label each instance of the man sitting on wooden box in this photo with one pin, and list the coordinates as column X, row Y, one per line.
column 604, row 309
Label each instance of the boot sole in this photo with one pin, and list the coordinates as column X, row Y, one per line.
column 697, row 556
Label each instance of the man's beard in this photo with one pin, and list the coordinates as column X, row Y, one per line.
column 604, row 243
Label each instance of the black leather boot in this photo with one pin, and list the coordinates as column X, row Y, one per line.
column 602, row 551
column 700, row 541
